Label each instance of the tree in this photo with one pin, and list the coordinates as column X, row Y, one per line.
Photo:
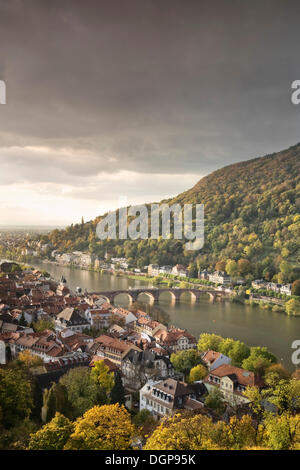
column 226, row 346
column 82, row 391
column 231, row 268
column 52, row 436
column 220, row 265
column 29, row 359
column 22, row 320
column 244, row 266
column 15, row 396
column 292, row 307
column 283, row 394
column 44, row 324
column 144, row 423
column 198, row 372
column 296, row 374
column 238, row 352
column 143, row 418
column 283, row 432
column 296, row 287
column 117, row 394
column 103, row 379
column 285, row 271
column 215, row 400
column 259, row 360
column 182, row 433
column 106, row 427
column 199, row 432
column 209, row 341
column 280, row 372
column 184, row 360
column 55, row 400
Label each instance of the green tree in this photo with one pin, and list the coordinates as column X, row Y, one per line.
column 283, row 432
column 82, row 391
column 44, row 324
column 184, row 361
column 22, row 320
column 259, row 360
column 55, row 400
column 209, row 341
column 143, row 418
column 239, row 352
column 117, row 394
column 15, row 396
column 215, row 400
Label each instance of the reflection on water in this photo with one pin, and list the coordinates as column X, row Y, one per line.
column 254, row 326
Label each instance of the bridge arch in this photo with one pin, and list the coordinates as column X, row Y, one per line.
column 188, row 293
column 107, row 299
column 152, row 298
column 120, row 293
column 211, row 295
column 169, row 292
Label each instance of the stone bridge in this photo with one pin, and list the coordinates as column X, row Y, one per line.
column 154, row 294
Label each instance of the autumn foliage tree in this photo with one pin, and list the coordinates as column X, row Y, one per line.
column 296, row 287
column 103, row 379
column 199, row 432
column 106, row 427
column 53, row 436
column 29, row 359
column 198, row 372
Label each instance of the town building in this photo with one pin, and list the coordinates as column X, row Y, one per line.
column 139, row 366
column 163, row 398
column 259, row 284
column 214, row 359
column 112, row 348
column 179, row 270
column 175, row 339
column 70, row 318
column 220, row 277
column 286, row 289
column 153, row 270
column 232, row 382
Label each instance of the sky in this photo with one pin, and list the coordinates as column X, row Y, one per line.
column 134, row 101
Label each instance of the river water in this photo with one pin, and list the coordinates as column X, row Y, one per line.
column 254, row 326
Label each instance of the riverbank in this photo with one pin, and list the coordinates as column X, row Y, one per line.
column 252, row 325
column 240, row 294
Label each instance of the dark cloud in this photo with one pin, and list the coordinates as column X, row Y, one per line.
column 146, row 86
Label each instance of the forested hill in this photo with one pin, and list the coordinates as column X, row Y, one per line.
column 252, row 212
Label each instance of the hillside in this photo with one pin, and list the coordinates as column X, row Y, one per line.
column 252, row 212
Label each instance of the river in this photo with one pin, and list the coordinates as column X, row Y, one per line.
column 254, row 326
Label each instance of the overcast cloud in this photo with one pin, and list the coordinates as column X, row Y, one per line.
column 138, row 98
